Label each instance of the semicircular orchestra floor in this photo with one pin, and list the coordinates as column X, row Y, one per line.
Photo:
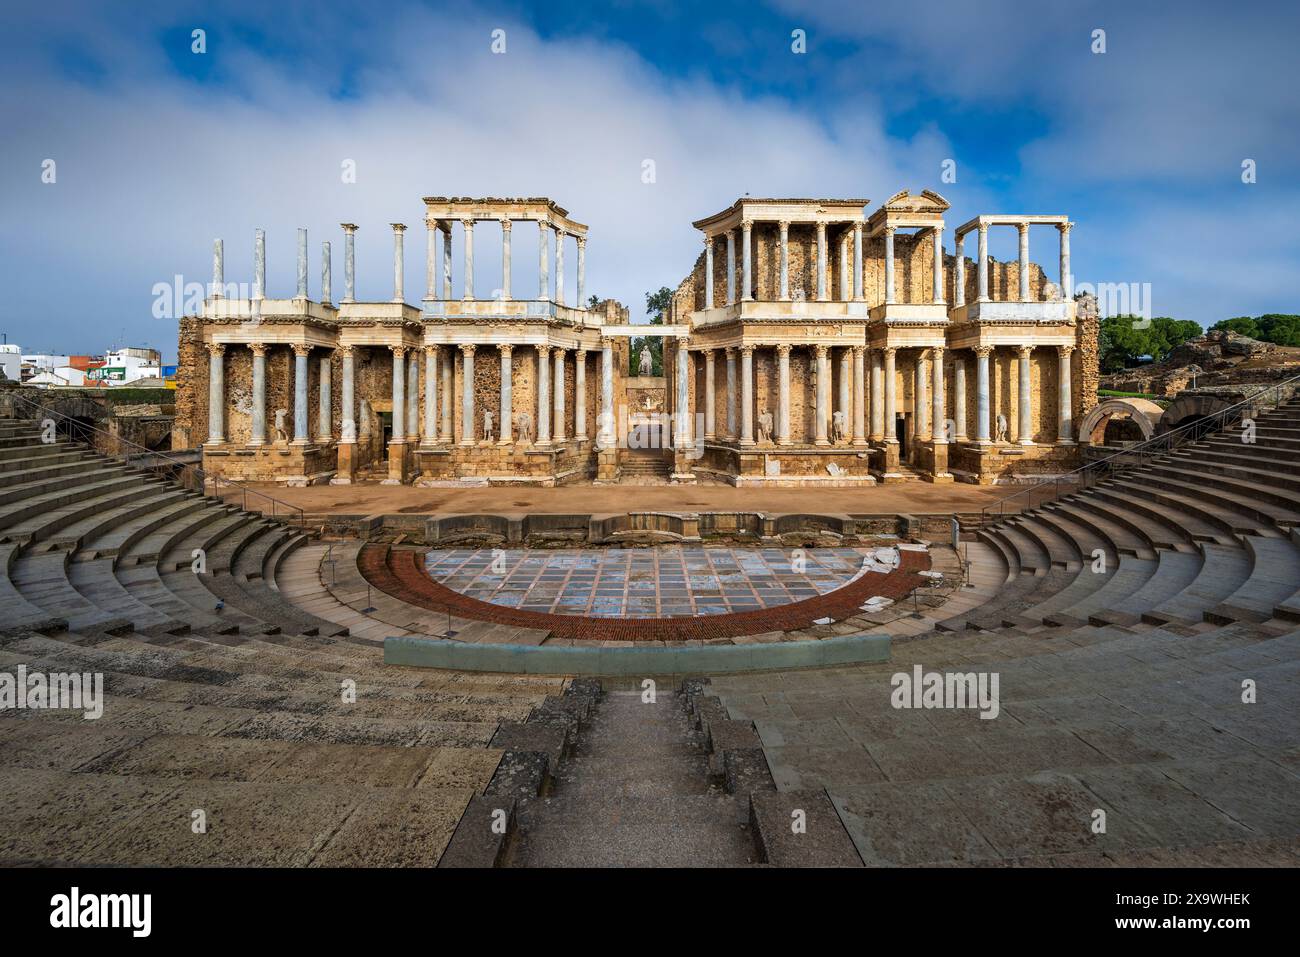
column 662, row 593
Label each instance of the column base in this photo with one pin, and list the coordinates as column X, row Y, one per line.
column 822, row 442
column 255, row 443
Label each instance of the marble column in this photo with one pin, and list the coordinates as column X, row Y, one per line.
column 845, row 391
column 413, row 399
column 218, row 289
column 746, row 257
column 467, row 230
column 606, row 424
column 921, row 405
column 447, row 358
column 431, row 359
column 1023, row 229
column 258, row 436
column 1067, row 281
column 300, row 430
column 708, row 272
column 216, row 394
column 746, row 395
column 938, row 417
column 399, row 262
column 891, row 387
column 821, row 262
column 348, row 400
column 468, row 434
column 543, row 394
column 1064, row 401
column 325, row 418
column 846, row 278
column 326, row 265
column 982, row 354
column 783, row 394
column 889, row 265
column 710, row 429
column 731, row 266
column 823, row 393
column 732, row 435
column 398, row 436
column 506, row 226
column 301, row 293
column 559, row 291
column 557, row 381
column 682, row 406
column 349, row 262
column 543, row 266
column 785, row 261
column 959, row 271
column 938, row 264
column 505, row 429
column 259, row 265
column 859, row 395
column 431, row 259
column 445, row 228
column 959, row 395
column 857, row 262
column 983, row 264
column 580, row 395
column 582, row 271
column 877, row 397
column 1024, row 429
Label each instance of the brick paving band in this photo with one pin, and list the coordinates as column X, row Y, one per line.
column 401, row 574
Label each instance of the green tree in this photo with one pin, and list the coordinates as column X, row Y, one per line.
column 1279, row 328
column 1124, row 341
column 1242, row 325
column 656, row 307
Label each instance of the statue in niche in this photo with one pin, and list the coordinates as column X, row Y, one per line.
column 281, row 425
column 363, row 420
column 837, row 426
column 489, row 426
column 524, row 427
column 647, row 362
column 765, row 426
column 1000, row 430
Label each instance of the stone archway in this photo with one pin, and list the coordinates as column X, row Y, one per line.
column 1144, row 413
column 1190, row 406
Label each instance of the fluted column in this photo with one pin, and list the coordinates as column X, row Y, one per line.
column 258, row 436
column 581, row 242
column 606, row 424
column 859, row 395
column 746, row 256
column 326, row 266
column 557, row 383
column 300, row 431
column 731, row 266
column 1064, row 400
column 746, row 395
column 682, row 406
column 889, row 264
column 506, row 428
column 823, row 393
column 506, row 226
column 783, row 394
column 938, row 419
column 218, row 289
column 431, row 359
column 543, row 265
column 543, row 394
column 431, row 259
column 399, row 262
column 559, row 291
column 349, row 262
column 877, row 396
column 983, row 264
column 445, row 228
column 447, row 358
column 467, row 433
column 1024, row 431
column 959, row 271
column 959, row 396
column 348, row 401
column 580, row 395
column 938, row 264
column 846, row 281
column 1023, row 229
column 891, row 388
column 732, row 434
column 467, row 229
column 710, row 430
column 398, row 436
column 785, row 260
column 921, row 412
column 821, row 262
column 708, row 272
column 982, row 354
column 259, row 269
column 216, row 394
column 857, row 262
column 325, row 418
column 1067, row 281
column 301, row 292
column 845, row 391
column 413, row 399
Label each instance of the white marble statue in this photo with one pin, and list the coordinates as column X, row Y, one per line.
column 281, row 425
column 837, row 426
column 765, row 426
column 489, row 426
column 647, row 362
column 1000, row 433
column 524, row 427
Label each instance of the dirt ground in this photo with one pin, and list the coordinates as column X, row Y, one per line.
column 368, row 499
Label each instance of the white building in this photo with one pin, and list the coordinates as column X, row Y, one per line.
column 11, row 361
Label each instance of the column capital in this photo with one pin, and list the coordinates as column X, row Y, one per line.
column 889, row 352
column 257, row 348
column 983, row 352
column 581, row 353
column 398, row 227
column 1024, row 351
column 857, row 230
column 889, row 229
column 1064, row 228
column 708, row 241
column 785, row 225
column 467, row 222
column 822, row 350
column 506, row 225
column 431, row 352
column 467, row 348
column 607, row 342
column 983, row 229
column 346, row 352
column 349, row 228
column 558, row 351
column 936, row 353
column 301, row 349
column 783, row 348
column 1064, row 351
column 543, row 349
column 859, row 350
column 747, row 350
column 397, row 351
column 747, row 224
column 543, row 226
column 1022, row 228
column 729, row 350
column 505, row 348
column 217, row 349
column 581, row 241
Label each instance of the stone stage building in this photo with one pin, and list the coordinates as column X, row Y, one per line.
column 812, row 345
column 822, row 346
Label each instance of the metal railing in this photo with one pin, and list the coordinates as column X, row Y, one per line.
column 183, row 473
column 1143, row 453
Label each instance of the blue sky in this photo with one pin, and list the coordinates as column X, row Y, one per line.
column 158, row 149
